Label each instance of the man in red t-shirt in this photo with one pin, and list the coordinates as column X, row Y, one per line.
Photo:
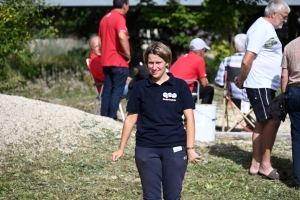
column 115, row 56
column 95, row 65
column 191, row 66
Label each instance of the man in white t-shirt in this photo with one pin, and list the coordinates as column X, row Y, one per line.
column 260, row 75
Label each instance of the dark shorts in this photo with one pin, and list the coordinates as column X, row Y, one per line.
column 260, row 99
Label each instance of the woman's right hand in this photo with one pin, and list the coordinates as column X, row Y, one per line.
column 193, row 157
column 116, row 155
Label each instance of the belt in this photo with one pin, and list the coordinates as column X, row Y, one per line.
column 295, row 84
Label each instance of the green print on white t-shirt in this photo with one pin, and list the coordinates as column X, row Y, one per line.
column 273, row 43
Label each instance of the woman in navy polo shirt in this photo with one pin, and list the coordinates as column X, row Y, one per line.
column 163, row 146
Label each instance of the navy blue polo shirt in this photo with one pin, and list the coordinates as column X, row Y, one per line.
column 160, row 109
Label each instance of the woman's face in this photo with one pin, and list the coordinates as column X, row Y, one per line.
column 156, row 66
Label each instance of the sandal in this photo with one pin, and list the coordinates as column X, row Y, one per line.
column 258, row 173
column 275, row 175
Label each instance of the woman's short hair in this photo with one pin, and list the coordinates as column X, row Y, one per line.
column 276, row 6
column 159, row 49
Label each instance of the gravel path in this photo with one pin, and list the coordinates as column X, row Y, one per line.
column 38, row 126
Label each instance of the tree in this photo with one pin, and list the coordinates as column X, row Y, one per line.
column 79, row 22
column 22, row 21
column 226, row 18
column 216, row 20
column 176, row 24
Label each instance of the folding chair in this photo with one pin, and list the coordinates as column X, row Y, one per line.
column 197, row 93
column 230, row 74
column 99, row 95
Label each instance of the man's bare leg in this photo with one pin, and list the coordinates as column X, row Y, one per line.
column 268, row 137
column 256, row 148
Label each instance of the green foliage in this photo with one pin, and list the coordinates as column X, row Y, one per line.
column 56, row 66
column 217, row 21
column 57, row 59
column 218, row 17
column 21, row 22
column 229, row 19
column 223, row 23
column 180, row 19
column 176, row 23
column 10, row 80
column 211, row 68
column 79, row 22
column 220, row 49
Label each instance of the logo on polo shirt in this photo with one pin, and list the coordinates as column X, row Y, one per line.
column 168, row 96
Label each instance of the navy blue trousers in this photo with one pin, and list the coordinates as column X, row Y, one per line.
column 161, row 166
column 293, row 102
column 115, row 80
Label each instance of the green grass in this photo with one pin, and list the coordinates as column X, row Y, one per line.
column 88, row 173
column 76, row 95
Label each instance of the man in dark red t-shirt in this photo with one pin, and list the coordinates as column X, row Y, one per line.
column 191, row 66
column 115, row 56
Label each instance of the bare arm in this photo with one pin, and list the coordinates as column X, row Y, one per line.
column 190, row 135
column 125, row 45
column 203, row 81
column 284, row 72
column 284, row 80
column 245, row 68
column 127, row 128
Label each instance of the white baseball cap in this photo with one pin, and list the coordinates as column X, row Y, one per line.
column 198, row 44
